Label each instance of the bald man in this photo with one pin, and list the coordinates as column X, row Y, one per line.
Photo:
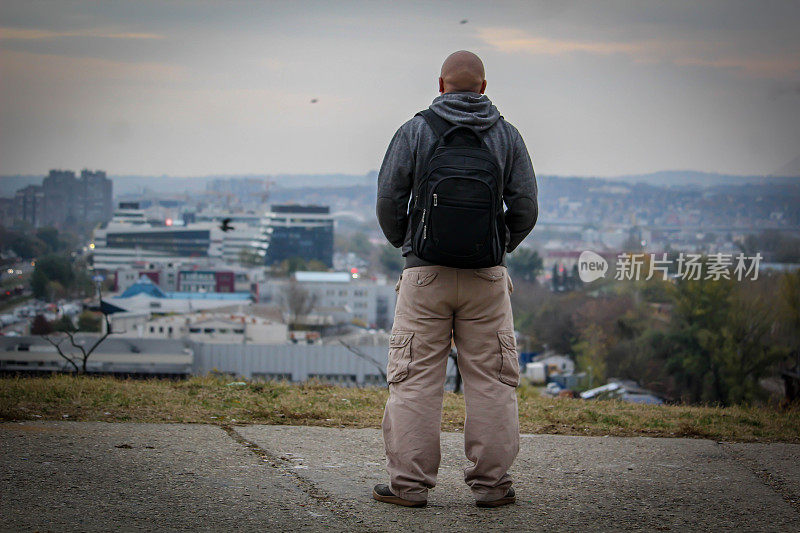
column 438, row 305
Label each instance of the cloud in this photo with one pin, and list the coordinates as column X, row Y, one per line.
column 509, row 40
column 714, row 54
column 29, row 69
column 32, row 34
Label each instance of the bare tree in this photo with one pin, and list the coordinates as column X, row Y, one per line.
column 83, row 356
column 366, row 358
column 84, row 353
column 297, row 301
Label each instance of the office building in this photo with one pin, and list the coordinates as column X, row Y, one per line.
column 131, row 237
column 66, row 202
column 304, row 231
column 29, row 205
column 96, row 192
column 61, row 196
column 248, row 234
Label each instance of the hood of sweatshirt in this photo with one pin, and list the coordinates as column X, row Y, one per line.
column 468, row 109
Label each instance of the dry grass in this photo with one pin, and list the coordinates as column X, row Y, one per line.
column 211, row 400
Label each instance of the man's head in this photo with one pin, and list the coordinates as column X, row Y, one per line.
column 462, row 71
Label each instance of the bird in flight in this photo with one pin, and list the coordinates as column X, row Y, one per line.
column 464, row 21
column 314, row 100
column 226, row 225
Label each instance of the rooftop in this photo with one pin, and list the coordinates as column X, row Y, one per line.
column 323, row 277
column 148, row 288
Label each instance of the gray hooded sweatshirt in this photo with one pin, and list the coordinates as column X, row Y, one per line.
column 411, row 147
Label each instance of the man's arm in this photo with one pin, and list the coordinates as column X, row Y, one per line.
column 395, row 181
column 520, row 194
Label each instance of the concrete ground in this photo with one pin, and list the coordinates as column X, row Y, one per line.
column 68, row 476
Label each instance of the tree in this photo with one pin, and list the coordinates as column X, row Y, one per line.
column 721, row 341
column 52, row 268
column 40, row 326
column 64, row 324
column 83, row 352
column 390, row 259
column 79, row 360
column 250, row 257
column 50, row 237
column 591, row 354
column 748, row 352
column 360, row 244
column 39, row 284
column 699, row 316
column 22, row 243
column 293, row 264
column 89, row 321
column 357, row 243
column 790, row 312
column 551, row 319
column 556, row 281
column 297, row 301
column 525, row 264
column 358, row 353
column 316, row 265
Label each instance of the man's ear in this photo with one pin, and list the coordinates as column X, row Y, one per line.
column 441, row 86
column 483, row 87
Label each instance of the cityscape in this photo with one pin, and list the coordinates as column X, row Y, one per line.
column 274, row 261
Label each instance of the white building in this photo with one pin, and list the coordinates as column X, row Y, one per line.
column 130, row 237
column 189, row 276
column 555, row 363
column 208, row 327
column 249, row 231
column 114, row 354
column 369, row 301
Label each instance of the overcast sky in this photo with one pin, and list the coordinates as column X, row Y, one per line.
column 597, row 89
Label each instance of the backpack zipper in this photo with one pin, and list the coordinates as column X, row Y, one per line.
column 435, row 200
column 425, row 225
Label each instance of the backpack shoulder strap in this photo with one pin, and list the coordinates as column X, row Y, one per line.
column 437, row 123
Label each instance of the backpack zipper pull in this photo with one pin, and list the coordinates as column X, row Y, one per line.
column 425, row 225
column 435, row 200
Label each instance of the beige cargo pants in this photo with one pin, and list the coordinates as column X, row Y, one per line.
column 472, row 305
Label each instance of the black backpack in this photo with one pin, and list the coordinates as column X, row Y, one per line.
column 457, row 215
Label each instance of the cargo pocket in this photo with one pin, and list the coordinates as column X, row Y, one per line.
column 509, row 361
column 399, row 356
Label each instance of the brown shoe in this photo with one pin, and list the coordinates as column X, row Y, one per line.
column 382, row 493
column 510, row 497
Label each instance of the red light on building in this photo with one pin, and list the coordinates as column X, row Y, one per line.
column 168, row 222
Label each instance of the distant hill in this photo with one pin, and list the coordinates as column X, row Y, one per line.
column 133, row 184
column 170, row 184
column 792, row 168
column 684, row 178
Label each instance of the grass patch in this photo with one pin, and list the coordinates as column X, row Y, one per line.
column 210, row 400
